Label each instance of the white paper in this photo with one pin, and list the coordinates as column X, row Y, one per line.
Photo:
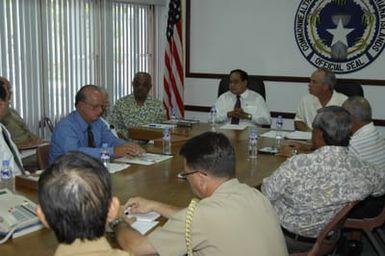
column 234, row 126
column 145, row 159
column 117, row 167
column 159, row 126
column 144, row 226
column 272, row 134
column 149, row 216
column 298, row 135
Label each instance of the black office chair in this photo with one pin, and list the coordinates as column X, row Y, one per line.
column 253, row 83
column 349, row 88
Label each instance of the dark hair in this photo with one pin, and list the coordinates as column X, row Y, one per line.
column 75, row 196
column 336, row 125
column 244, row 76
column 211, row 152
column 359, row 108
column 81, row 94
column 3, row 92
column 146, row 76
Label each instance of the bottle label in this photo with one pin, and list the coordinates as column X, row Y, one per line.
column 6, row 174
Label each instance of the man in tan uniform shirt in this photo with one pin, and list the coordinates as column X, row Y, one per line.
column 230, row 219
column 76, row 203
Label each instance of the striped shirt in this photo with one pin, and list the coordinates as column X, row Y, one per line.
column 368, row 144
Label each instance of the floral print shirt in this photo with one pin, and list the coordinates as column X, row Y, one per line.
column 308, row 190
column 127, row 113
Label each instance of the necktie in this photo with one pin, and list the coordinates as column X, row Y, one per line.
column 90, row 135
column 13, row 151
column 235, row 120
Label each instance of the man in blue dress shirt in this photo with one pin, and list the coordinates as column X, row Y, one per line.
column 83, row 130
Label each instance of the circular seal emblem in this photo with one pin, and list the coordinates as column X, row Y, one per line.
column 341, row 35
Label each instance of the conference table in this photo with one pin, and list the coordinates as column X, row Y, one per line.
column 158, row 181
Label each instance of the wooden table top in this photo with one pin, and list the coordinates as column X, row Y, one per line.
column 157, row 182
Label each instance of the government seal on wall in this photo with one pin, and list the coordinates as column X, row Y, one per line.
column 341, row 35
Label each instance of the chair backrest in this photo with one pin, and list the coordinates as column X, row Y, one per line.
column 329, row 236
column 253, row 83
column 42, row 152
column 366, row 224
column 349, row 88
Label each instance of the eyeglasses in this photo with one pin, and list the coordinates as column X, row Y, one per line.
column 184, row 174
column 94, row 107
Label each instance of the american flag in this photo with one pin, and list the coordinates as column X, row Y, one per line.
column 173, row 60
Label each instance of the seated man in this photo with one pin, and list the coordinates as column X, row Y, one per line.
column 308, row 190
column 83, row 130
column 138, row 108
column 231, row 218
column 20, row 133
column 366, row 142
column 76, row 203
column 321, row 94
column 241, row 105
column 8, row 149
column 369, row 145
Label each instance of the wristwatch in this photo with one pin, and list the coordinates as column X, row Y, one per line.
column 115, row 223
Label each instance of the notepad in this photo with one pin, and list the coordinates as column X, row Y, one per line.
column 117, row 167
column 234, row 126
column 144, row 221
column 299, row 135
column 159, row 126
column 273, row 134
column 144, row 226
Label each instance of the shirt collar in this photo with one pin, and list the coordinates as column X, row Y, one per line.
column 365, row 129
column 79, row 119
column 243, row 95
column 79, row 246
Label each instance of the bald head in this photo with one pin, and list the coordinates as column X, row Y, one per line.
column 359, row 108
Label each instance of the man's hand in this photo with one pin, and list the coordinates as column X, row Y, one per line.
column 128, row 149
column 238, row 113
column 288, row 148
column 140, row 205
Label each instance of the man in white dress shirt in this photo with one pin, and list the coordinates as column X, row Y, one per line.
column 321, row 94
column 8, row 149
column 240, row 105
column 368, row 145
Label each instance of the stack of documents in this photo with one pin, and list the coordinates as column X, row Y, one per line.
column 144, row 221
column 298, row 135
column 145, row 159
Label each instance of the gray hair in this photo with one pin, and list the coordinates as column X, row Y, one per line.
column 359, row 108
column 336, row 125
column 329, row 78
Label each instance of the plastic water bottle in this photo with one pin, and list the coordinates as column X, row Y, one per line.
column 166, row 141
column 213, row 116
column 7, row 180
column 105, row 155
column 173, row 115
column 253, row 143
column 278, row 133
